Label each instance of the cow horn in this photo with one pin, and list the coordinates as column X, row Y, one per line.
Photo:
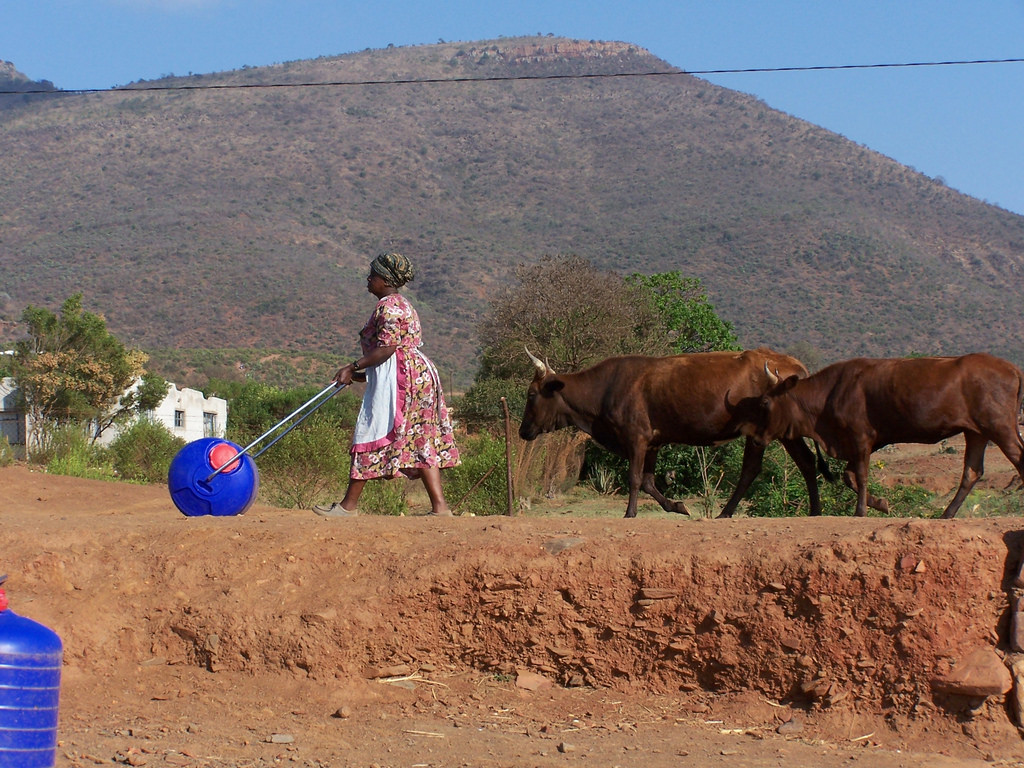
column 773, row 378
column 543, row 368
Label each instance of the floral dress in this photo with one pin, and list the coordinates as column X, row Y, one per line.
column 403, row 422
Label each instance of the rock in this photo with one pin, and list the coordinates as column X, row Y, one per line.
column 980, row 673
column 836, row 694
column 395, row 670
column 554, row 546
column 564, row 747
column 281, row 738
column 790, row 643
column 1018, row 689
column 816, row 688
column 531, row 681
column 342, row 713
column 1017, row 625
column 656, row 593
column 790, row 727
column 321, row 618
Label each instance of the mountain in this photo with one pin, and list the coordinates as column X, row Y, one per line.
column 15, row 87
column 240, row 209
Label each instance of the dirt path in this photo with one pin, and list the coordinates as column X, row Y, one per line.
column 281, row 638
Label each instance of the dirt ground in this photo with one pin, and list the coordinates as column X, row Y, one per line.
column 552, row 639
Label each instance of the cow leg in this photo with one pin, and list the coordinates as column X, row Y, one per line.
column 753, row 457
column 1012, row 446
column 647, row 484
column 804, row 460
column 636, row 469
column 856, row 477
column 974, row 468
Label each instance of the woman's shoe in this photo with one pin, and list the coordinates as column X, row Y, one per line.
column 333, row 510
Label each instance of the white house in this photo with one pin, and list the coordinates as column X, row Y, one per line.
column 190, row 415
column 187, row 413
column 12, row 421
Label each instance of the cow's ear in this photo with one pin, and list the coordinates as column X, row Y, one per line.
column 551, row 386
column 788, row 383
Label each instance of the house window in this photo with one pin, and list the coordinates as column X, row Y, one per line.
column 179, row 419
column 209, row 424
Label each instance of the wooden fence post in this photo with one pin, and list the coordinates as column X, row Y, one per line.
column 508, row 459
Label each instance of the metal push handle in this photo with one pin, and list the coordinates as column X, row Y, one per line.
column 332, row 386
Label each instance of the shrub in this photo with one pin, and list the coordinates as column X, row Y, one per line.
column 255, row 408
column 71, row 453
column 481, row 407
column 780, row 491
column 384, row 497
column 604, row 480
column 548, row 466
column 681, row 471
column 478, row 485
column 308, row 464
column 144, row 452
column 311, row 462
column 6, row 452
column 990, row 503
column 904, row 500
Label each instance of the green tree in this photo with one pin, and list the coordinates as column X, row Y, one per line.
column 689, row 319
column 148, row 392
column 72, row 370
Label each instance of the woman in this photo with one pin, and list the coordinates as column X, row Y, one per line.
column 403, row 425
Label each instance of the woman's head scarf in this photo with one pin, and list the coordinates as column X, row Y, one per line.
column 394, row 268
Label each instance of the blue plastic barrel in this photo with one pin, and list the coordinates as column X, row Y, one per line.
column 231, row 492
column 30, row 664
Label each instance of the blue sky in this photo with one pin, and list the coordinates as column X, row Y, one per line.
column 962, row 123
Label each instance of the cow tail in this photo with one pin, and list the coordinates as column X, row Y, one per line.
column 823, row 466
column 1020, row 405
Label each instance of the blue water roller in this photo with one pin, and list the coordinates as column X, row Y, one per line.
column 199, row 486
column 30, row 665
column 212, row 476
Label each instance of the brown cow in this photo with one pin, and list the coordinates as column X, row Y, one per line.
column 857, row 406
column 634, row 405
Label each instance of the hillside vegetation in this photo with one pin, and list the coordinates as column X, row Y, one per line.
column 245, row 218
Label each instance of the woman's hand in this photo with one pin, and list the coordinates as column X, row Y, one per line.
column 346, row 375
column 349, row 373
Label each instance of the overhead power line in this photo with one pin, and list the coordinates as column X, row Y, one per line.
column 507, row 78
